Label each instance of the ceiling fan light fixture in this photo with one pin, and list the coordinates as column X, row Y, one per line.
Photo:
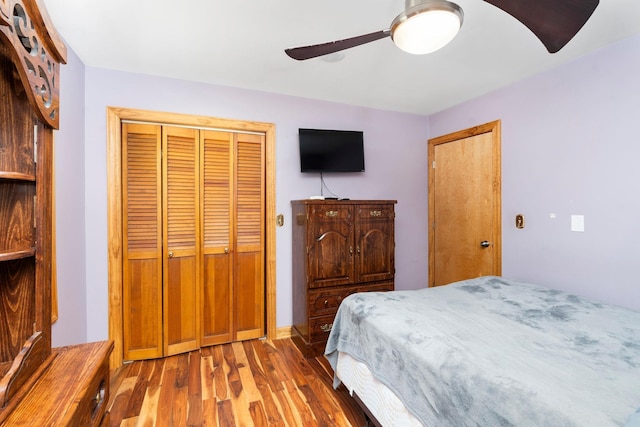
column 426, row 27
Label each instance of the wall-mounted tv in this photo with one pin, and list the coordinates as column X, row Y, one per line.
column 324, row 150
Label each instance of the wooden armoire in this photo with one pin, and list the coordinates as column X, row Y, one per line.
column 339, row 248
column 38, row 385
column 193, row 238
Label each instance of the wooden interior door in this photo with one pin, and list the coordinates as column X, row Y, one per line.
column 465, row 205
column 249, row 254
column 142, row 241
column 181, row 285
column 217, row 186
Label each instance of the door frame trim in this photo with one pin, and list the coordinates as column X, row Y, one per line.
column 495, row 129
column 115, row 116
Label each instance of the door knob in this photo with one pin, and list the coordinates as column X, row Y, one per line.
column 485, row 243
column 170, row 254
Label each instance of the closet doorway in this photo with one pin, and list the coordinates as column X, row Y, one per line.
column 191, row 220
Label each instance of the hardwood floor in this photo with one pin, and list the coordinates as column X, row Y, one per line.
column 251, row 383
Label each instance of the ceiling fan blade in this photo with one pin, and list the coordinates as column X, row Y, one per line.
column 313, row 51
column 554, row 22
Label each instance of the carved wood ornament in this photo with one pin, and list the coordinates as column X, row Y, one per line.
column 38, row 51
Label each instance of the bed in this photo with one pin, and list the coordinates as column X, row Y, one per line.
column 488, row 352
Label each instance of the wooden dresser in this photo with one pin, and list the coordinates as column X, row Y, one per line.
column 39, row 386
column 339, row 248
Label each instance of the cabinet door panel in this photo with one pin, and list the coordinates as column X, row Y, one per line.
column 180, row 292
column 217, row 308
column 142, row 309
column 142, row 242
column 17, row 306
column 182, row 238
column 330, row 246
column 375, row 245
column 249, row 192
column 217, row 170
column 16, row 214
column 249, row 292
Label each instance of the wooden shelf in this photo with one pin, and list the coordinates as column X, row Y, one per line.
column 10, row 256
column 17, row 176
column 33, row 391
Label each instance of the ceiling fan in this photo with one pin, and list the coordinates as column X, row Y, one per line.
column 428, row 25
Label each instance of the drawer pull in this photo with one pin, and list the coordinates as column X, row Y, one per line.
column 326, row 327
column 98, row 400
column 326, row 303
column 331, row 214
column 375, row 213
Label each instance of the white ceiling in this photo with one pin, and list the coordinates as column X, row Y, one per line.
column 241, row 43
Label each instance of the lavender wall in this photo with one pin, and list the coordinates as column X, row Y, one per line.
column 395, row 155
column 71, row 327
column 569, row 146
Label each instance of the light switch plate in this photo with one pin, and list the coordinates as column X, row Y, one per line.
column 577, row 223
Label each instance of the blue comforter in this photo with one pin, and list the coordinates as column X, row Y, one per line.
column 493, row 352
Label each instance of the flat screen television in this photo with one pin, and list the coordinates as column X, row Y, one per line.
column 324, row 150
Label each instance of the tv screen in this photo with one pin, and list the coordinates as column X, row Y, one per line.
column 323, row 150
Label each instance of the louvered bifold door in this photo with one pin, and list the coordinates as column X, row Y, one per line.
column 217, row 292
column 249, row 287
column 182, row 239
column 142, row 241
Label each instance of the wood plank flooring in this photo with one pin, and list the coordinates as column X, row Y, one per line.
column 251, row 383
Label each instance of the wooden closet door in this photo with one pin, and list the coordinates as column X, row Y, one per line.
column 217, row 213
column 182, row 239
column 249, row 236
column 142, row 241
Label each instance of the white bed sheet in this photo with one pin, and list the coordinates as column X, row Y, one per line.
column 382, row 402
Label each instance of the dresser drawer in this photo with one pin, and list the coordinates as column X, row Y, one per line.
column 326, row 302
column 320, row 327
column 331, row 212
column 93, row 405
column 378, row 287
column 368, row 212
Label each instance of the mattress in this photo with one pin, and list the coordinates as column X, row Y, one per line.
column 379, row 400
column 491, row 351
